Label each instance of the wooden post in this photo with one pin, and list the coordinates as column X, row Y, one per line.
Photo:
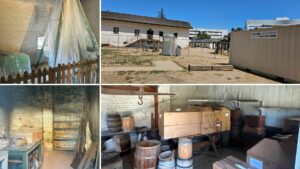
column 39, row 76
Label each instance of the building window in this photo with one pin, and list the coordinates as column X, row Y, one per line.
column 136, row 32
column 116, row 30
column 161, row 33
column 176, row 35
column 40, row 42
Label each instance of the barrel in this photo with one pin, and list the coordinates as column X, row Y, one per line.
column 146, row 153
column 185, row 148
column 164, row 148
column 184, row 163
column 236, row 118
column 166, row 160
column 127, row 124
column 114, row 123
column 124, row 142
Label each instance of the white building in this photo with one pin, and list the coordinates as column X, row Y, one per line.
column 120, row 29
column 256, row 24
column 213, row 33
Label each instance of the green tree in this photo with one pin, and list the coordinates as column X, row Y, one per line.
column 203, row 35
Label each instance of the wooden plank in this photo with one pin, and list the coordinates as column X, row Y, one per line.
column 39, row 76
column 88, row 72
column 69, row 73
column 32, row 76
column 222, row 68
column 63, row 72
column 200, row 67
column 18, row 78
column 25, row 77
column 45, row 75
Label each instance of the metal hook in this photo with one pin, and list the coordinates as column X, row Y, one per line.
column 141, row 99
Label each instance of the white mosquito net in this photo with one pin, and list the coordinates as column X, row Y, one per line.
column 69, row 37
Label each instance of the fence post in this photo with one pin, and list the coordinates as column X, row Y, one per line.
column 32, row 77
column 51, row 75
column 25, row 77
column 45, row 75
column 18, row 78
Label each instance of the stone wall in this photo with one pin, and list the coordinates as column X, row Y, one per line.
column 27, row 109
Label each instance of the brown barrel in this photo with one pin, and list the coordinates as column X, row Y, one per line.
column 124, row 142
column 236, row 118
column 146, row 154
column 114, row 122
column 185, row 148
column 127, row 124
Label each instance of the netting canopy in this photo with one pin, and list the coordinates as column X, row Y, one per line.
column 69, row 36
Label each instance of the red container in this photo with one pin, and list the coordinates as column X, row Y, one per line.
column 255, row 121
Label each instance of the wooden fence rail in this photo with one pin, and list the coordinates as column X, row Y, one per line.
column 81, row 72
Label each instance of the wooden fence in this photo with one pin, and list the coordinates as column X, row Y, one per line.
column 81, row 72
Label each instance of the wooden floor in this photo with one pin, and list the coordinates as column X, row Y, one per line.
column 57, row 160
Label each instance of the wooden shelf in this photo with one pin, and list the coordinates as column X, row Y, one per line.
column 66, row 128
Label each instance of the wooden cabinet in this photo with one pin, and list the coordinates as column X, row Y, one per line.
column 22, row 157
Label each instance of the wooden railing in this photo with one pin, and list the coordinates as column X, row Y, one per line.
column 81, row 72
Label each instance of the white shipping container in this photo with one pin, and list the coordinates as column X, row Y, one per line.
column 273, row 51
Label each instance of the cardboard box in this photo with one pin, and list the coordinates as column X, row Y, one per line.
column 181, row 131
column 230, row 162
column 271, row 154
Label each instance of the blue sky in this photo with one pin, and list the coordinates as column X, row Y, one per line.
column 209, row 13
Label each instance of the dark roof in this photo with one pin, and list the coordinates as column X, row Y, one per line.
column 144, row 19
column 195, row 40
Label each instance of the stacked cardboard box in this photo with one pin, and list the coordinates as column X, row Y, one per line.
column 254, row 126
column 194, row 121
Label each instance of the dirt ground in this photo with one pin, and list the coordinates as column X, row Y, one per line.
column 118, row 66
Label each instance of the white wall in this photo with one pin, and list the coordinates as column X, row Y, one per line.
column 128, row 105
column 127, row 32
column 23, row 21
column 286, row 97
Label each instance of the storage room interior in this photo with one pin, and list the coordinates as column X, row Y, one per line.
column 47, row 127
column 204, row 126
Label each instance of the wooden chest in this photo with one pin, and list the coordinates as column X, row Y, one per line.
column 194, row 121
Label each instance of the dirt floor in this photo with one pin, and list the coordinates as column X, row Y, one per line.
column 131, row 65
column 57, row 159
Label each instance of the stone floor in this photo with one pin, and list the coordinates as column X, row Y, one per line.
column 203, row 161
column 57, row 160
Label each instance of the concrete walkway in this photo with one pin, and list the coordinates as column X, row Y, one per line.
column 158, row 66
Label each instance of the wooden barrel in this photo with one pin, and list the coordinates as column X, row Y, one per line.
column 127, row 124
column 184, row 164
column 124, row 142
column 146, row 153
column 236, row 118
column 166, row 160
column 114, row 123
column 185, row 148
